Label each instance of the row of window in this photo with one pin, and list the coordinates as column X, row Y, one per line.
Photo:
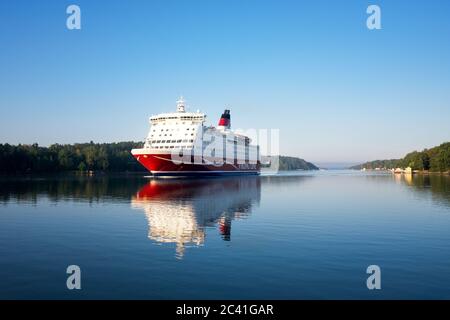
column 160, row 135
column 178, row 129
column 171, row 147
column 170, row 141
column 179, row 118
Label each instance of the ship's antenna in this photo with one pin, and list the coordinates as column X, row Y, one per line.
column 181, row 105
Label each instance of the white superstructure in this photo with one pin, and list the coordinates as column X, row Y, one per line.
column 187, row 130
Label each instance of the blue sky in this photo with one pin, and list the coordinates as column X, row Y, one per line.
column 337, row 91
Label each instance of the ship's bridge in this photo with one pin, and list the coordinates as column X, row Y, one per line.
column 178, row 118
column 176, row 129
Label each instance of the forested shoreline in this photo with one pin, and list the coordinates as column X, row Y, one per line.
column 87, row 157
column 436, row 159
column 105, row 157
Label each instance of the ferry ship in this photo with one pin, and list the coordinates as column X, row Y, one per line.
column 181, row 144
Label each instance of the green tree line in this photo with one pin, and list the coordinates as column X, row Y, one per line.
column 436, row 159
column 108, row 157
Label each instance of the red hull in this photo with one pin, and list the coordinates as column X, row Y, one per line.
column 162, row 164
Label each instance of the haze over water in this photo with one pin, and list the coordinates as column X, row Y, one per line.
column 292, row 235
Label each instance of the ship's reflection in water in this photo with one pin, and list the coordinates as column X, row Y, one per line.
column 180, row 211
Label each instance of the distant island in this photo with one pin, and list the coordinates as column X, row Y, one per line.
column 292, row 163
column 436, row 159
column 85, row 157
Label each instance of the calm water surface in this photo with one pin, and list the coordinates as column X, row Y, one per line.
column 295, row 236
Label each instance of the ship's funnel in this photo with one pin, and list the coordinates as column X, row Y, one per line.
column 225, row 120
